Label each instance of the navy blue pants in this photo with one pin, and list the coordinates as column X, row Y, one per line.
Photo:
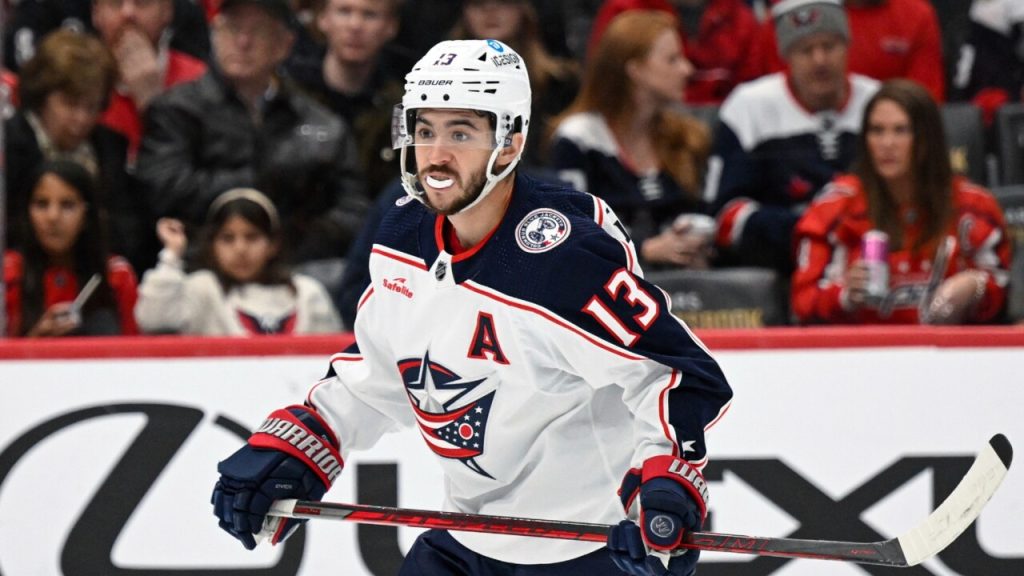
column 435, row 552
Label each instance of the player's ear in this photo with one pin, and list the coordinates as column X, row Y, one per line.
column 508, row 153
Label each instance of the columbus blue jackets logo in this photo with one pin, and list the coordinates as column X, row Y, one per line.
column 542, row 230
column 452, row 425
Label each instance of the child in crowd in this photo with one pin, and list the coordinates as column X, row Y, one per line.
column 63, row 281
column 244, row 288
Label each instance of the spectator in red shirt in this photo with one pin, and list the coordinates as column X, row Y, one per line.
column 65, row 249
column 948, row 249
column 720, row 38
column 26, row 23
column 137, row 33
column 888, row 39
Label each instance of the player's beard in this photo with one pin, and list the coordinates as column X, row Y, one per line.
column 470, row 192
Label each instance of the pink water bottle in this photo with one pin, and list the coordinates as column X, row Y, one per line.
column 874, row 252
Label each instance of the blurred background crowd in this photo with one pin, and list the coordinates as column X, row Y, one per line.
column 218, row 167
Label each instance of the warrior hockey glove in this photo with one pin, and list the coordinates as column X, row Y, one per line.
column 293, row 454
column 672, row 499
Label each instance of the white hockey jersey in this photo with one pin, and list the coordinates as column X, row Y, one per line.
column 538, row 366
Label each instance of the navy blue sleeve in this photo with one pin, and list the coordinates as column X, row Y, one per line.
column 592, row 273
column 356, row 277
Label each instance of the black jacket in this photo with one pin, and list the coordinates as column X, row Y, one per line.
column 368, row 113
column 199, row 140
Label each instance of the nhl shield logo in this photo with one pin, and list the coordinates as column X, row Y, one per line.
column 542, row 230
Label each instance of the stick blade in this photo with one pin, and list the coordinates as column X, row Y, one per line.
column 962, row 507
column 1002, row 448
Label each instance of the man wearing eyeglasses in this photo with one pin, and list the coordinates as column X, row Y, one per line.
column 243, row 125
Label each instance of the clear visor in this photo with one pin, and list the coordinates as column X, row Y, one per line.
column 447, row 128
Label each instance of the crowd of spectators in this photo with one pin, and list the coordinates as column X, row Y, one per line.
column 219, row 149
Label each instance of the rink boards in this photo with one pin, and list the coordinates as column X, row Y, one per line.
column 108, row 450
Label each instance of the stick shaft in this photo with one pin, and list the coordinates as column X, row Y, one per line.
column 871, row 553
column 925, row 540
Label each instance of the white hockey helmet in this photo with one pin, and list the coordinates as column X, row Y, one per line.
column 483, row 75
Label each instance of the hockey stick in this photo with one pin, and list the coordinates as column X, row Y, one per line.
column 925, row 540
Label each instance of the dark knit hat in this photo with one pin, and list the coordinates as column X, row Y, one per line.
column 797, row 19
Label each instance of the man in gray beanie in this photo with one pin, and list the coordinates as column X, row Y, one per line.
column 782, row 137
column 797, row 19
column 813, row 37
column 886, row 38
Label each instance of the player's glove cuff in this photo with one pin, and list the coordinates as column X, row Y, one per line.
column 667, row 497
column 681, row 473
column 301, row 433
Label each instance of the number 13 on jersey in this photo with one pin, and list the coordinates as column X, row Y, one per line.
column 624, row 286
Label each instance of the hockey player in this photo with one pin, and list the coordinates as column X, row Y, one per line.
column 507, row 320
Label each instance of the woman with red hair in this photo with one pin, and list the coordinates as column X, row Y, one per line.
column 632, row 147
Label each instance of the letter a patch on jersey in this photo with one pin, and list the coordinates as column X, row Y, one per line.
column 485, row 340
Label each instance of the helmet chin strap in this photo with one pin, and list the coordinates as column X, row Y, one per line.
column 492, row 179
column 409, row 182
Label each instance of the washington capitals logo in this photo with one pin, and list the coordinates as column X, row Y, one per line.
column 804, row 17
column 451, row 426
column 257, row 324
